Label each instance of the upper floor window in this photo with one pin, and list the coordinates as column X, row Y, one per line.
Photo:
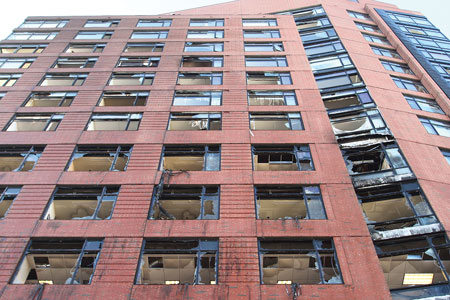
column 259, row 22
column 317, row 35
column 85, row 48
column 444, row 69
column 396, row 67
column 347, row 100
column 94, row 35
column 102, row 23
column 433, row 54
column 268, row 34
column 282, row 158
column 368, row 27
column 197, row 98
column 436, row 127
column 25, row 48
column 75, row 62
column 123, row 98
column 50, row 99
column 410, row 19
column 263, row 47
column 58, row 79
column 359, row 15
column 205, row 34
column 131, row 78
column 2, row 95
column 114, row 121
column 376, row 39
column 191, row 158
column 19, row 158
column 308, row 24
column 272, row 98
column 275, row 121
column 99, row 158
column 269, row 78
column 7, row 196
column 149, row 34
column 339, row 80
column 34, row 122
column 331, row 62
column 408, row 84
column 206, row 22
column 138, row 61
column 16, row 63
column 44, row 24
column 144, row 47
column 260, row 61
column 154, row 23
column 323, row 48
column 423, row 104
column 385, row 52
column 422, row 31
column 428, row 42
column 9, row 79
column 195, row 121
column 446, row 154
column 32, row 35
column 199, row 78
column 305, row 13
column 350, row 123
column 202, row 61
column 203, row 47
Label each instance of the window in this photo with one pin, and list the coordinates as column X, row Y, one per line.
column 44, row 24
column 287, row 202
column 423, row 104
column 427, row 42
column 259, row 61
column 131, row 78
column 16, row 63
column 339, row 80
column 195, row 121
column 358, row 15
column 195, row 98
column 199, row 78
column 191, row 158
column 252, row 34
column 282, row 158
column 32, row 35
column 206, row 22
column 101, row 23
column 34, row 122
column 308, row 24
column 138, row 61
column 144, row 47
column 58, row 79
column 99, row 158
column 436, row 127
column 149, row 34
column 259, row 22
column 301, row 261
column 422, row 31
column 202, row 62
column 205, row 34
column 446, row 154
column 94, row 35
column 82, row 203
column 410, row 19
column 324, row 48
column 272, row 98
column 368, row 27
column 396, row 67
column 263, row 47
column 19, row 158
column 2, row 95
column 269, row 78
column 59, row 261
column 437, row 55
column 275, row 121
column 85, row 48
column 357, row 122
column 317, row 35
column 203, row 47
column 178, row 262
column 7, row 196
column 347, row 100
column 376, row 39
column 385, row 52
column 114, row 121
column 444, row 69
column 123, row 98
column 9, row 79
column 75, row 62
column 305, row 13
column 408, row 84
column 189, row 202
column 331, row 62
column 25, row 48
column 50, row 99
column 154, row 23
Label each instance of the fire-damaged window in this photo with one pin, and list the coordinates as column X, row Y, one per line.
column 123, row 98
column 178, row 262
column 114, row 121
column 138, row 61
column 347, row 100
column 58, row 262
column 195, row 121
column 416, row 267
column 34, row 122
column 272, row 98
column 7, row 195
column 188, row 202
column 202, row 61
column 299, row 261
column 99, row 158
column 275, row 202
column 275, row 121
column 19, row 158
column 282, row 158
column 191, row 158
column 339, row 80
column 364, row 121
column 276, row 78
column 82, row 203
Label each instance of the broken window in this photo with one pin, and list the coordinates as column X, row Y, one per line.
column 58, row 79
column 272, row 98
column 85, row 48
column 58, row 262
column 205, row 34
column 396, row 67
column 263, row 47
column 436, row 126
column 197, row 98
column 301, row 261
column 366, row 121
column 376, row 39
column 267, row 34
column 446, row 154
column 288, row 202
column 203, row 47
column 322, row 48
column 25, row 48
column 331, row 62
column 339, row 80
column 34, row 122
column 308, row 24
column 123, row 98
column 358, row 15
column 368, row 27
column 190, row 202
column 7, row 196
column 178, row 262
column 423, row 104
column 138, row 61
column 408, row 84
column 99, row 158
column 275, row 121
column 282, row 158
column 102, row 23
column 131, row 78
column 50, row 99
column 191, row 158
column 259, row 22
column 149, row 35
column 195, row 121
column 94, row 35
column 317, row 35
column 385, row 52
column 154, row 23
column 44, row 24
column 144, row 47
column 347, row 100
column 9, row 79
column 19, row 158
column 199, row 78
column 16, row 63
column 260, row 61
column 269, row 78
column 202, row 61
column 32, row 35
column 206, row 22
column 114, row 121
column 82, row 203
column 75, row 62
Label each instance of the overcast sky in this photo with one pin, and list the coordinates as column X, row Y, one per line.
column 14, row 12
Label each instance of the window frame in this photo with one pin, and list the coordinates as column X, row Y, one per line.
column 154, row 23
column 431, row 124
column 65, row 98
column 418, row 104
column 283, row 78
column 215, row 78
column 261, row 34
column 96, row 47
column 143, row 77
column 10, row 79
column 35, row 151
column 99, row 23
column 210, row 117
column 127, row 152
column 206, row 152
column 210, row 94
column 278, row 61
column 52, row 118
column 38, row 48
column 87, row 35
column 5, row 193
column 212, row 47
column 138, row 94
column 259, row 23
column 130, row 118
column 156, row 47
column 149, row 34
column 290, row 118
column 396, row 67
column 147, row 61
column 78, row 78
column 297, row 151
column 26, row 62
column 276, row 46
column 205, row 34
column 44, row 24
column 284, row 94
column 414, row 85
column 208, row 22
column 31, row 35
column 89, row 62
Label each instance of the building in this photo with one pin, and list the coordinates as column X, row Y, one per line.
column 254, row 149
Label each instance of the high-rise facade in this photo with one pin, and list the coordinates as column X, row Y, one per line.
column 254, row 149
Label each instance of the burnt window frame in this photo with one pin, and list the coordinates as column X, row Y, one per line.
column 311, row 24
column 291, row 117
column 5, row 192
column 210, row 117
column 87, row 148
column 362, row 94
column 181, row 148
column 26, row 152
column 52, row 118
column 294, row 151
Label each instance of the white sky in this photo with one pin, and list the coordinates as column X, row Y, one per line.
column 15, row 12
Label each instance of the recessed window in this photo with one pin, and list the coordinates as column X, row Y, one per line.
column 7, row 196
column 339, row 80
column 34, row 122
column 16, row 63
column 189, row 202
column 114, row 121
column 195, row 121
column 271, row 78
column 94, row 35
column 197, row 98
column 331, row 62
column 123, row 98
column 60, row 79
column 203, row 47
column 19, row 158
column 423, row 104
column 409, row 19
column 85, row 48
column 308, row 24
column 396, row 67
column 446, row 154
column 436, row 127
column 358, row 15
column 60, row 261
column 206, row 23
column 205, row 34
column 101, row 23
column 318, row 35
column 385, row 52
column 287, row 202
column 408, row 84
column 9, row 79
column 138, row 61
column 347, row 100
column 131, row 78
column 144, row 47
column 368, row 27
column 44, row 24
column 271, row 98
column 154, row 23
column 99, row 158
column 75, row 62
column 32, row 35
column 199, row 78
column 50, row 99
column 259, row 22
column 268, row 34
column 263, row 47
column 369, row 121
column 376, row 39
column 82, row 203
column 275, row 121
column 305, row 13
column 191, row 158
column 202, row 61
column 25, row 48
column 258, row 61
column 282, row 158
column 149, row 35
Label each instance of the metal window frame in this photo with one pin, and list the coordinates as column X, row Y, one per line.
column 280, row 61
column 65, row 96
column 106, row 35
column 60, row 23
column 282, row 77
column 155, row 46
column 395, row 67
column 52, row 117
column 26, row 154
column 213, row 59
column 76, row 77
column 21, row 46
column 9, row 78
column 142, row 76
column 10, row 59
column 117, row 153
column 209, row 22
column 213, row 47
column 87, row 60
column 112, row 23
column 136, row 96
column 295, row 150
column 419, row 100
column 431, row 122
column 208, row 118
column 151, row 61
column 96, row 46
column 382, row 52
column 127, row 116
column 210, row 94
column 268, row 34
column 49, row 36
column 153, row 34
column 283, row 94
column 214, row 77
column 204, row 34
column 3, row 195
column 269, row 22
column 205, row 152
column 289, row 119
column 404, row 82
